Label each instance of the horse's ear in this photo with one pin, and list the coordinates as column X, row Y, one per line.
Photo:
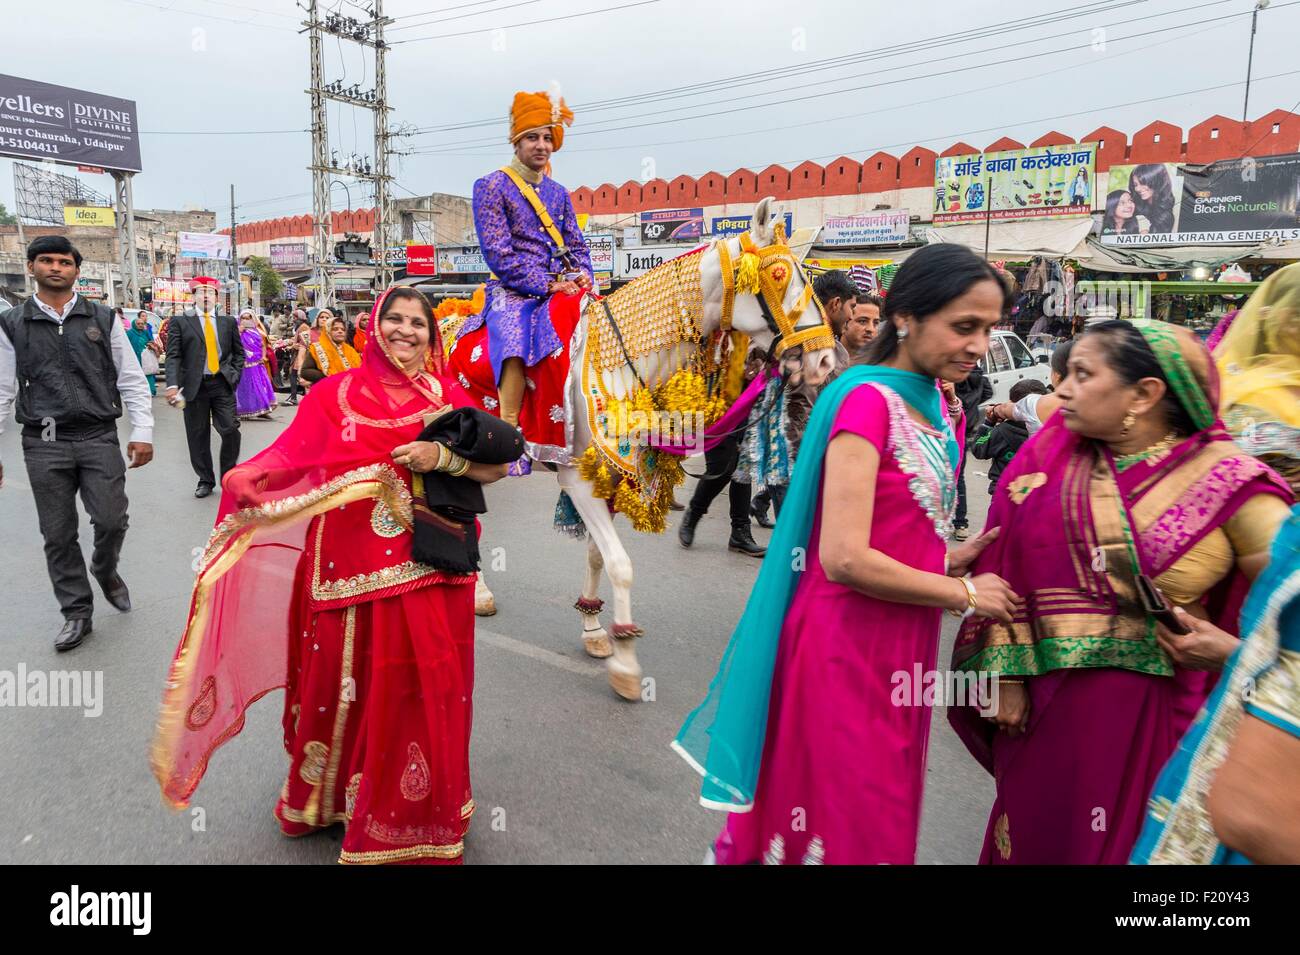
column 760, row 227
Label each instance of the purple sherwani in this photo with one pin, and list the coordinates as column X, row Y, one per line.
column 523, row 258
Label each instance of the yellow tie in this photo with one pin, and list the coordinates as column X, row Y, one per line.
column 210, row 339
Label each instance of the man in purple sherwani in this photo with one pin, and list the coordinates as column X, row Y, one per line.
column 530, row 239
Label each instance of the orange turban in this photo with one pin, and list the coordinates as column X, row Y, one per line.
column 532, row 111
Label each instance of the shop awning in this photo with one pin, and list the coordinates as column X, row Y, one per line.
column 1017, row 240
column 1091, row 254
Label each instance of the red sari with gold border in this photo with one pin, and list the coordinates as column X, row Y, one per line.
column 308, row 583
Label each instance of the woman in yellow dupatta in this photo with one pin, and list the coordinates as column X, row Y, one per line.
column 1259, row 368
column 330, row 354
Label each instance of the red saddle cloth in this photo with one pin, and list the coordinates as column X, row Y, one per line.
column 541, row 418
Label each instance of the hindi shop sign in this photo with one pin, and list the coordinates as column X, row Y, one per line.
column 1236, row 201
column 635, row 262
column 203, row 245
column 462, row 260
column 601, row 247
column 288, row 256
column 1042, row 182
column 672, row 225
column 63, row 125
column 735, row 225
column 889, row 227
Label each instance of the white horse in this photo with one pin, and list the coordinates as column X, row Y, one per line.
column 604, row 549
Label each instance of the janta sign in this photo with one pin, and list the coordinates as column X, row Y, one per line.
column 1045, row 181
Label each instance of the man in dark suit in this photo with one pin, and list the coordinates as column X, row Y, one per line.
column 205, row 359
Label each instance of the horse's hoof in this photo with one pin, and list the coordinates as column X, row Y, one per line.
column 596, row 643
column 626, row 684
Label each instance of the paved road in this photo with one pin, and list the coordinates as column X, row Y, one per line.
column 568, row 772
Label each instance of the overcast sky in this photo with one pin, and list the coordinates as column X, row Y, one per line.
column 241, row 65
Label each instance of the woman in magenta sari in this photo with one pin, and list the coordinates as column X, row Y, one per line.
column 1134, row 481
column 800, row 736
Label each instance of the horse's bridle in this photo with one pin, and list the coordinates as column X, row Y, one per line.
column 766, row 273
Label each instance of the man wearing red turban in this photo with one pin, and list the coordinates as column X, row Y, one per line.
column 205, row 359
column 530, row 239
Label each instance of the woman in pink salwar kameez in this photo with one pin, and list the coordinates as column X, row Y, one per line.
column 802, row 736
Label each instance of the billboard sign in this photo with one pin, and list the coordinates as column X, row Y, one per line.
column 462, row 260
column 735, row 225
column 89, row 215
column 1237, row 201
column 888, row 227
column 421, row 260
column 289, row 256
column 601, row 247
column 672, row 225
column 635, row 262
column 203, row 245
column 59, row 124
column 1041, row 182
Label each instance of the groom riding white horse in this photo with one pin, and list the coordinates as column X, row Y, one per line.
column 555, row 364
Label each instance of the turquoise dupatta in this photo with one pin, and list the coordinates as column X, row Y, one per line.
column 1178, row 828
column 723, row 737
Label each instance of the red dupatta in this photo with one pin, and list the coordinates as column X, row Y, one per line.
column 336, row 452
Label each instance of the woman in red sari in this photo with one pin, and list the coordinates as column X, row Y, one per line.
column 308, row 583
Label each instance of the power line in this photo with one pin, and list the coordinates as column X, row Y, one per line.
column 445, row 147
column 211, row 16
column 527, row 23
column 219, row 132
column 887, row 109
column 987, row 129
column 466, row 16
column 847, row 59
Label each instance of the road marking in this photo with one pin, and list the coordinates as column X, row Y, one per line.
column 549, row 657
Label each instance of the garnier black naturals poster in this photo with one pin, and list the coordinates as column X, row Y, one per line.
column 1240, row 201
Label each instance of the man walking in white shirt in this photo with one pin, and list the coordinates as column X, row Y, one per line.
column 66, row 370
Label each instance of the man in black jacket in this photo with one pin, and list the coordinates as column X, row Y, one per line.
column 973, row 392
column 67, row 369
column 205, row 359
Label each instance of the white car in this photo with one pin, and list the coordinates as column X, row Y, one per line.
column 1008, row 361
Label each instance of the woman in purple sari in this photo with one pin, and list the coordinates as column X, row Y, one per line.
column 1134, row 481
column 255, row 396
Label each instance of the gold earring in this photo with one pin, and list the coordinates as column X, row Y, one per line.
column 1130, row 419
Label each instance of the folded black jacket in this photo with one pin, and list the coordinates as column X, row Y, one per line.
column 446, row 526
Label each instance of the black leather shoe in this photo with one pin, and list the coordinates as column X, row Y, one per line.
column 115, row 592
column 759, row 514
column 203, row 490
column 742, row 542
column 73, row 632
column 686, row 532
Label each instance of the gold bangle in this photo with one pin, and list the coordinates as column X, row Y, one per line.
column 1011, row 682
column 437, row 466
column 971, row 600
